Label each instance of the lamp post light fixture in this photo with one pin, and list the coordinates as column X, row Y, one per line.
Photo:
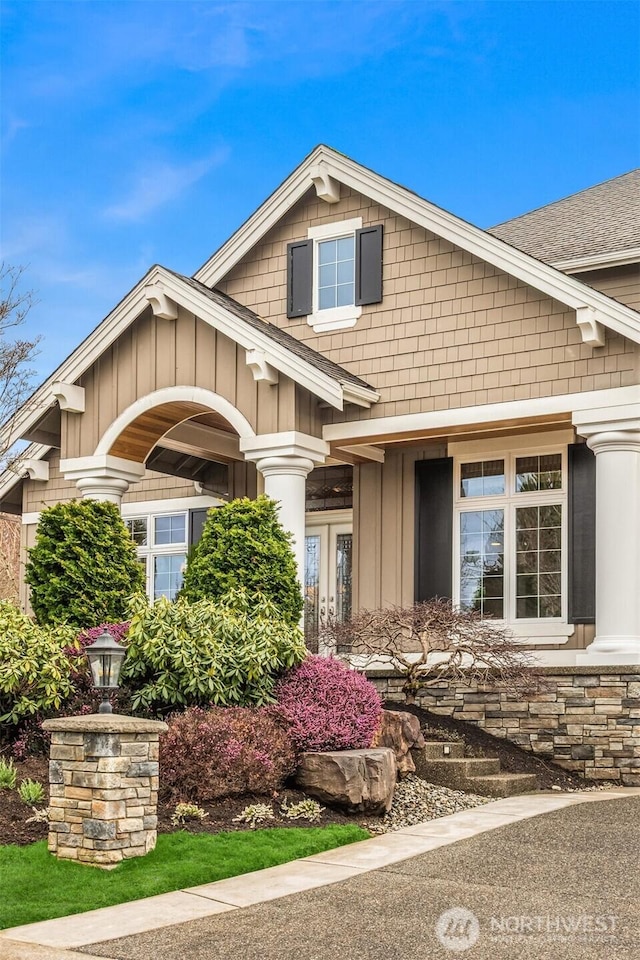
column 105, row 658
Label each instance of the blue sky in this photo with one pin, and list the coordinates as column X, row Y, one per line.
column 138, row 131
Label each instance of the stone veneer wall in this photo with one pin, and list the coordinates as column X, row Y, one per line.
column 103, row 783
column 585, row 719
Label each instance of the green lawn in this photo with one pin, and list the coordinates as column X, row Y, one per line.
column 36, row 886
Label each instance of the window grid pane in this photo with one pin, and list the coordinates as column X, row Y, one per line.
column 138, row 531
column 482, row 562
column 170, row 529
column 336, row 273
column 539, row 562
column 482, row 479
column 539, row 473
column 168, row 573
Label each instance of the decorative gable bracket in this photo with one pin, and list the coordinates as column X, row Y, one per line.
column 69, row 396
column 327, row 188
column 162, row 306
column 591, row 328
column 35, row 469
column 260, row 368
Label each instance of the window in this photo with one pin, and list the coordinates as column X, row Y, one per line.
column 510, row 519
column 162, row 550
column 333, row 273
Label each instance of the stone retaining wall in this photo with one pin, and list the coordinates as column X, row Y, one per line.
column 585, row 719
column 103, row 785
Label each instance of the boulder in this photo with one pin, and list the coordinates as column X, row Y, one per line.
column 360, row 781
column 400, row 731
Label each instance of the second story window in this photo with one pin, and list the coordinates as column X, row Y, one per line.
column 334, row 273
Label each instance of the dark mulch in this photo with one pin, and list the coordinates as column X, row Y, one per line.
column 479, row 743
column 14, row 813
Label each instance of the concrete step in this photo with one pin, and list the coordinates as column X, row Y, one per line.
column 455, row 772
column 502, row 784
column 437, row 749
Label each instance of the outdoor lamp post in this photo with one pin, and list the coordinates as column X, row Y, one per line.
column 105, row 658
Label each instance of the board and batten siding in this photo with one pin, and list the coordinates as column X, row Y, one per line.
column 451, row 330
column 155, row 353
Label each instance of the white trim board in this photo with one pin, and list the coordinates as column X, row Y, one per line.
column 541, row 276
column 143, row 507
column 489, row 414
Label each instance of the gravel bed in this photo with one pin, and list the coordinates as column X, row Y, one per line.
column 416, row 800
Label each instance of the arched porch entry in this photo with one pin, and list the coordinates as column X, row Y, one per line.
column 283, row 459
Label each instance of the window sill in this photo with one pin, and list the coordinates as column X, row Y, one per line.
column 339, row 318
column 551, row 632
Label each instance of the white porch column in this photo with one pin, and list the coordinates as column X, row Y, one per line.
column 615, row 439
column 284, row 481
column 102, row 477
column 285, row 460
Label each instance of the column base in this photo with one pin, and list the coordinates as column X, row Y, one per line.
column 611, row 650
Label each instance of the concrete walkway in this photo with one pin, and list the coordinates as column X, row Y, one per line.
column 536, row 876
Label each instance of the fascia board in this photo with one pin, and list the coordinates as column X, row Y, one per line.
column 323, row 386
column 598, row 261
column 572, row 293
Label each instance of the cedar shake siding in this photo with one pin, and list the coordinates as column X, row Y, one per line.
column 450, row 331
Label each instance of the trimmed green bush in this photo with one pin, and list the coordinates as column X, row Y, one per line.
column 36, row 671
column 228, row 653
column 243, row 544
column 83, row 567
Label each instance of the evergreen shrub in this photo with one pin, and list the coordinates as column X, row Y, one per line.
column 83, row 567
column 36, row 671
column 228, row 653
column 328, row 706
column 224, row 752
column 244, row 545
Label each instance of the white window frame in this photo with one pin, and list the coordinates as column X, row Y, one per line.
column 152, row 550
column 334, row 318
column 551, row 630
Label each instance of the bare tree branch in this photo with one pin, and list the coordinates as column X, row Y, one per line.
column 16, row 378
column 9, row 557
column 434, row 643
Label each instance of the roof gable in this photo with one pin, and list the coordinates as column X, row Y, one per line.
column 326, row 169
column 163, row 289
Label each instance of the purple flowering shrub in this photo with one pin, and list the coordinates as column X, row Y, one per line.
column 224, row 752
column 328, row 706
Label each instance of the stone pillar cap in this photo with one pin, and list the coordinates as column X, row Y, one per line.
column 105, row 723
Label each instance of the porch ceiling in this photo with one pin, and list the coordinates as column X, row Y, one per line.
column 141, row 436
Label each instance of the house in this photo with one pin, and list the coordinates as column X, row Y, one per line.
column 440, row 410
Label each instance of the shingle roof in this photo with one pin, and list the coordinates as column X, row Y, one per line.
column 281, row 337
column 603, row 219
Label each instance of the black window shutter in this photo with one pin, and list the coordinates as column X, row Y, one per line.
column 369, row 265
column 582, row 534
column 434, row 528
column 300, row 278
column 196, row 523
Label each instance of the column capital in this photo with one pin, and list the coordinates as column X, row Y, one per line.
column 289, row 443
column 614, row 441
column 610, row 428
column 102, row 477
column 285, row 466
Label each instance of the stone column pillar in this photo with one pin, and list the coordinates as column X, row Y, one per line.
column 616, row 445
column 102, row 477
column 103, row 783
column 285, row 460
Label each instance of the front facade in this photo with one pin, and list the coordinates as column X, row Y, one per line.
column 439, row 410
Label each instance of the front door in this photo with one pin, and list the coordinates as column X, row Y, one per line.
column 328, row 570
